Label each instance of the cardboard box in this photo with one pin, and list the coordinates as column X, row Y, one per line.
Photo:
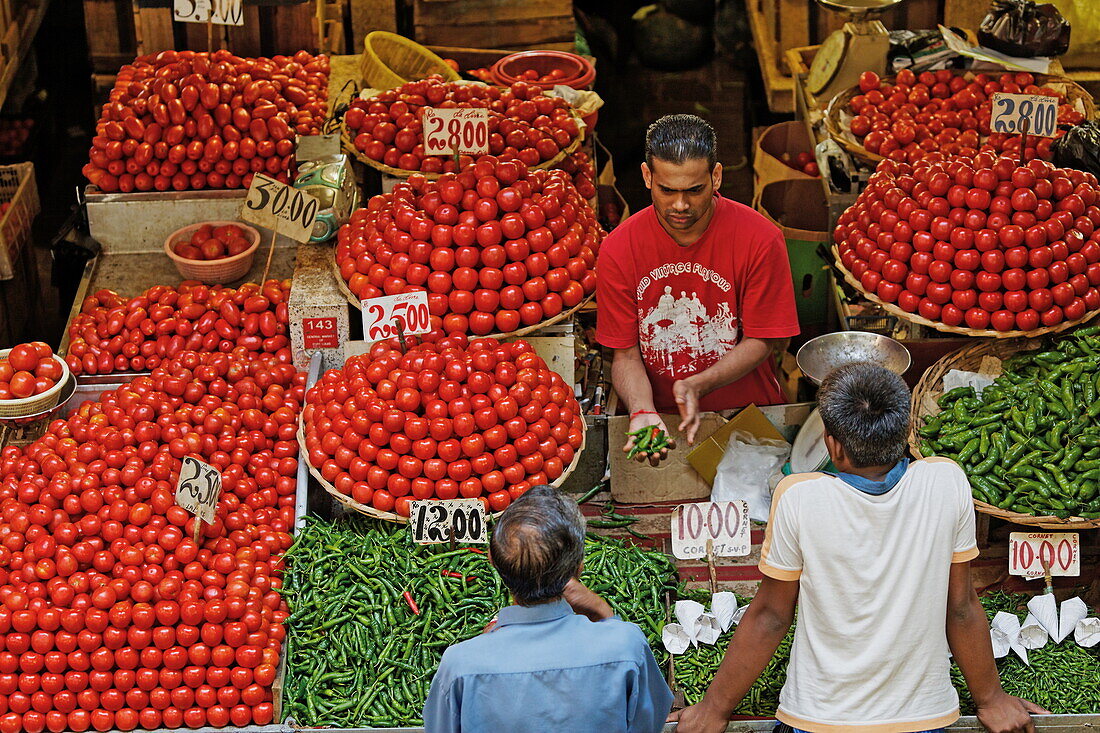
column 672, row 480
column 706, row 456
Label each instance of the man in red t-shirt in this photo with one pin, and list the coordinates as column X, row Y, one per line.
column 694, row 292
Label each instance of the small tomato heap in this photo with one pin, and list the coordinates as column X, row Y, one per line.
column 942, row 111
column 192, row 120
column 213, row 243
column 524, row 123
column 448, row 418
column 983, row 242
column 28, row 370
column 495, row 246
column 116, row 334
column 111, row 616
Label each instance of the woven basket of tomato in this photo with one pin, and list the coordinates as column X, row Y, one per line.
column 448, row 418
column 31, row 379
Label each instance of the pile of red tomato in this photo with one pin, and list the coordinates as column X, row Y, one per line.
column 496, row 246
column 449, row 418
column 111, row 615
column 28, row 370
column 193, row 120
column 578, row 165
column 213, row 243
column 116, row 334
column 945, row 112
column 524, row 124
column 981, row 243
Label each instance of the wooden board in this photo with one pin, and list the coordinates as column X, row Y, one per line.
column 778, row 87
column 109, row 26
column 494, row 23
column 153, row 29
column 371, row 15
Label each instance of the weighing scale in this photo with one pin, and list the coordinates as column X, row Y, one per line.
column 861, row 45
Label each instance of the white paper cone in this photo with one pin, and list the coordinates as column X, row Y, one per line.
column 675, row 639
column 740, row 614
column 1087, row 632
column 724, row 605
column 1044, row 609
column 687, row 612
column 1069, row 613
column 1001, row 643
column 707, row 629
column 1032, row 633
column 1008, row 625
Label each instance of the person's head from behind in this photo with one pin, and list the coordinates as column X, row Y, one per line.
column 537, row 545
column 681, row 169
column 865, row 409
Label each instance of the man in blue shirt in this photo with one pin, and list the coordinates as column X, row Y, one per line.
column 558, row 660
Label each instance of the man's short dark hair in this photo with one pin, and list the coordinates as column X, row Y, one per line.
column 538, row 544
column 679, row 138
column 866, row 408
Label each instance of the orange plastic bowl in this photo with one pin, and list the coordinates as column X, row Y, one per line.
column 213, row 272
column 576, row 71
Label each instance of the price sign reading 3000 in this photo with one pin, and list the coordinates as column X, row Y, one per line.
column 449, row 131
column 1011, row 110
column 383, row 315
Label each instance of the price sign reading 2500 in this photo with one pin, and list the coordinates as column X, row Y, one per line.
column 1010, row 111
column 385, row 316
column 448, row 131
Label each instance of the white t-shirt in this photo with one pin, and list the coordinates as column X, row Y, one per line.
column 870, row 649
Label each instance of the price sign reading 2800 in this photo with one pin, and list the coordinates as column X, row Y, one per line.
column 1011, row 110
column 449, row 131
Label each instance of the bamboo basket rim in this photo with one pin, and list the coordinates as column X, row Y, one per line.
column 1073, row 93
column 959, row 330
column 930, row 386
column 569, row 313
column 350, row 503
column 370, row 54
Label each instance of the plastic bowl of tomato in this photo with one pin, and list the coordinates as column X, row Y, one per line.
column 31, row 379
column 215, row 252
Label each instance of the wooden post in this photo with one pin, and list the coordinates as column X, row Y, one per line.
column 270, row 251
column 711, row 568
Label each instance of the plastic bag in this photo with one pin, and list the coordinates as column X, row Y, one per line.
column 1079, row 148
column 744, row 470
column 1024, row 28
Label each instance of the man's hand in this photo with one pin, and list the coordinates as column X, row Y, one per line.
column 687, row 397
column 647, row 419
column 585, row 602
column 1008, row 714
column 698, row 718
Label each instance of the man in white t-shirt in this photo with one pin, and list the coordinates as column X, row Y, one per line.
column 877, row 559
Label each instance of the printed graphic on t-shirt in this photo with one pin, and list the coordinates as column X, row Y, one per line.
column 681, row 334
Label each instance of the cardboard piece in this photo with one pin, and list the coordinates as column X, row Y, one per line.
column 706, row 456
column 786, row 138
column 673, row 479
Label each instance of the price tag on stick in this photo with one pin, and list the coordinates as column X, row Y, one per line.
column 1029, row 551
column 721, row 527
column 456, row 131
column 1033, row 114
column 281, row 208
column 198, row 489
column 218, row 12
column 435, row 522
column 388, row 316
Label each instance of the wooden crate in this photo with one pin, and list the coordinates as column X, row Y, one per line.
column 110, row 30
column 503, row 24
column 19, row 199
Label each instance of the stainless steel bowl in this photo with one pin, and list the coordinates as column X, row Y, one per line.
column 823, row 354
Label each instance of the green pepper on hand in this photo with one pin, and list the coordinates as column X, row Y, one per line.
column 647, row 439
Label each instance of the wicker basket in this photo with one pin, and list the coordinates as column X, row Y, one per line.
column 352, row 505
column 389, row 60
column 342, row 284
column 20, row 192
column 35, row 404
column 213, row 272
column 959, row 330
column 837, row 117
column 924, row 404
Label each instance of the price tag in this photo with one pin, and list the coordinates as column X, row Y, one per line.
column 434, row 522
column 198, row 489
column 381, row 315
column 1010, row 111
column 279, row 207
column 319, row 333
column 724, row 523
column 1028, row 550
column 219, row 12
column 450, row 131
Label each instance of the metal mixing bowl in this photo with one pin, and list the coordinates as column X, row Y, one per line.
column 821, row 355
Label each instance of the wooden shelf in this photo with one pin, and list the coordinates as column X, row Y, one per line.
column 777, row 85
column 18, row 41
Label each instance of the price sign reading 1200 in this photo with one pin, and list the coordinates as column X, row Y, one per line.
column 450, row 131
column 385, row 316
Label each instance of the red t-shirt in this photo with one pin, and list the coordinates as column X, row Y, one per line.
column 688, row 306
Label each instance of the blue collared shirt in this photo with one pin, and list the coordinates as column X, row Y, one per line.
column 876, row 488
column 545, row 668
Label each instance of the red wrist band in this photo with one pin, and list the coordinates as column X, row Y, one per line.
column 642, row 412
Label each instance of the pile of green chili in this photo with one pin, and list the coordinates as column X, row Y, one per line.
column 372, row 613
column 1031, row 442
